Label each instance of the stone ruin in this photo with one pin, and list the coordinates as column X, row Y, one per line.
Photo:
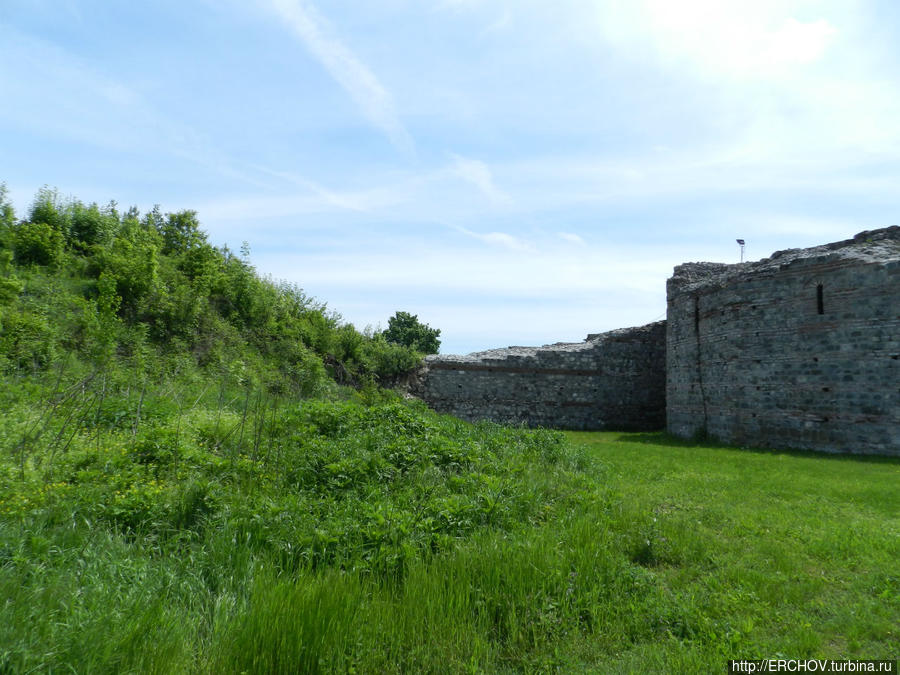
column 799, row 350
column 613, row 380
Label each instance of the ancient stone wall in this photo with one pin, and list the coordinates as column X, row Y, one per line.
column 801, row 350
column 613, row 380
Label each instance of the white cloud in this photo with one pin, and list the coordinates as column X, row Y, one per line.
column 521, row 271
column 479, row 174
column 572, row 238
column 354, row 76
column 360, row 201
column 501, row 239
column 796, row 42
column 732, row 37
column 258, row 207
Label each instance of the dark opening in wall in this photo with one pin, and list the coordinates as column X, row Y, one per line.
column 820, row 298
column 696, row 314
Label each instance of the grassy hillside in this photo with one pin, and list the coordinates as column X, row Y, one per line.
column 188, row 485
column 88, row 286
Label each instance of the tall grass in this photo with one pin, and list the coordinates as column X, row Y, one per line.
column 333, row 536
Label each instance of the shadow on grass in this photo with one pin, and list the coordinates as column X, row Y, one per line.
column 664, row 438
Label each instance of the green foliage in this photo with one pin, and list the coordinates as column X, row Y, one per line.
column 405, row 329
column 28, row 340
column 316, row 615
column 181, row 232
column 48, row 208
column 132, row 261
column 7, row 215
column 10, row 285
column 91, row 226
column 388, row 360
column 230, row 531
column 37, row 243
column 167, row 283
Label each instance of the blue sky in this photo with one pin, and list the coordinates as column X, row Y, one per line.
column 512, row 171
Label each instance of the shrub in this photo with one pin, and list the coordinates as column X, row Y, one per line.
column 27, row 340
column 37, row 243
column 48, row 208
column 91, row 226
column 10, row 286
column 132, row 261
column 388, row 360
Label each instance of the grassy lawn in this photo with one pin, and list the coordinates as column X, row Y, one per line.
column 758, row 553
column 344, row 537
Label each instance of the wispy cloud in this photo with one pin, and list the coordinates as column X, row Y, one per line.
column 75, row 85
column 572, row 238
column 458, row 4
column 479, row 174
column 355, row 77
column 95, row 108
column 503, row 22
column 358, row 201
column 501, row 239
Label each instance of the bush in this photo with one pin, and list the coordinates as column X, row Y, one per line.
column 37, row 243
column 91, row 226
column 48, row 208
column 27, row 340
column 132, row 261
column 387, row 360
column 10, row 286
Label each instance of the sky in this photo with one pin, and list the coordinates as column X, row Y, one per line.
column 514, row 172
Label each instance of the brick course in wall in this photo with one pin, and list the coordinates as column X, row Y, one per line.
column 612, row 380
column 800, row 350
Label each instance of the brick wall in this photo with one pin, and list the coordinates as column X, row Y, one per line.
column 613, row 380
column 801, row 350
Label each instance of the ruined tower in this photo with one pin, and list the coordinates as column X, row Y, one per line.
column 800, row 350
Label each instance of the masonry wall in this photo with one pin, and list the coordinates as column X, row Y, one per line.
column 613, row 380
column 801, row 350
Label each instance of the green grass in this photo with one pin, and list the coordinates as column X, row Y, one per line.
column 761, row 553
column 230, row 532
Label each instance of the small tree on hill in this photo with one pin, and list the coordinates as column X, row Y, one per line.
column 405, row 329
